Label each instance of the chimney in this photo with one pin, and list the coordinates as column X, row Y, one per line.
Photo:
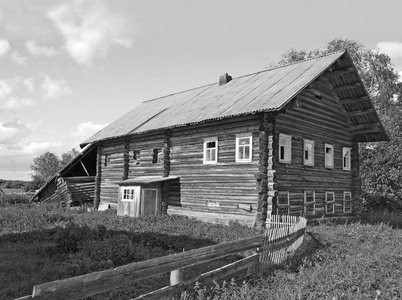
column 225, row 78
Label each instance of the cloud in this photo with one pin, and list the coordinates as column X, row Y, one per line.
column 54, row 88
column 29, row 84
column 18, row 58
column 87, row 129
column 4, row 47
column 34, row 49
column 35, row 147
column 13, row 132
column 89, row 29
column 392, row 49
column 7, row 100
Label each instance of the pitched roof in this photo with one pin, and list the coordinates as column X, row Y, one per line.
column 268, row 90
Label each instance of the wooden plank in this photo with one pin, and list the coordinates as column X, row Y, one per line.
column 360, row 112
column 339, row 72
column 347, row 87
column 206, row 278
column 98, row 282
column 356, row 99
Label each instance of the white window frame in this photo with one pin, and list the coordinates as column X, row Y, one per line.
column 238, row 147
column 309, row 203
column 346, row 158
column 287, row 149
column 206, row 141
column 309, row 161
column 127, row 194
column 350, row 201
column 329, row 159
column 327, row 202
column 281, row 205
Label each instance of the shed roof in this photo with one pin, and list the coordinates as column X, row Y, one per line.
column 264, row 91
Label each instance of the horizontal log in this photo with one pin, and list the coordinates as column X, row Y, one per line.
column 98, row 282
column 356, row 99
column 360, row 112
column 340, row 72
column 347, row 87
column 205, row 279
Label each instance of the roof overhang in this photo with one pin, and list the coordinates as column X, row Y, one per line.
column 146, row 180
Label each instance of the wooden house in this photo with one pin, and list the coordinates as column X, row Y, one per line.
column 283, row 141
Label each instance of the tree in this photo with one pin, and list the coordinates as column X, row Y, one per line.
column 68, row 156
column 380, row 163
column 48, row 164
column 44, row 167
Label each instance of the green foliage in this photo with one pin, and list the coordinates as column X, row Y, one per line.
column 15, row 198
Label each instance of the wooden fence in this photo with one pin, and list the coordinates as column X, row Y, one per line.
column 283, row 236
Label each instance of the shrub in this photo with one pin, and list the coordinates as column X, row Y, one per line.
column 69, row 239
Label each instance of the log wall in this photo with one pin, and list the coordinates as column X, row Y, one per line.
column 323, row 121
column 217, row 192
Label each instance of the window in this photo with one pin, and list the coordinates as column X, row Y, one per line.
column 157, row 156
column 308, row 153
column 107, row 160
column 136, row 157
column 211, row 150
column 283, row 203
column 309, row 203
column 346, row 158
column 329, row 156
column 244, row 148
column 329, row 202
column 128, row 194
column 347, row 202
column 285, row 148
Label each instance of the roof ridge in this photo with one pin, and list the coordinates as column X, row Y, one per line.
column 250, row 74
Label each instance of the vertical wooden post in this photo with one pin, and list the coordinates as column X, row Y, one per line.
column 176, row 276
column 356, row 203
column 98, row 175
column 166, row 153
column 126, row 158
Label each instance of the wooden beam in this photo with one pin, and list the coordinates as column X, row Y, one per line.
column 347, row 87
column 339, row 72
column 360, row 112
column 83, row 166
column 366, row 128
column 353, row 100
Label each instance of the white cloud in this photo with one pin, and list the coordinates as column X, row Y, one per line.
column 89, row 29
column 29, row 84
column 18, row 58
column 34, row 49
column 13, row 132
column 4, row 47
column 87, row 129
column 392, row 49
column 54, row 88
column 7, row 100
column 35, row 147
column 7, row 86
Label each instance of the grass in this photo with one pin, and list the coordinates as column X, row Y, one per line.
column 41, row 243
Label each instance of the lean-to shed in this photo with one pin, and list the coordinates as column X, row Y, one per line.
column 283, row 140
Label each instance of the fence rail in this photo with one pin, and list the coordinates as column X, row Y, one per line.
column 283, row 236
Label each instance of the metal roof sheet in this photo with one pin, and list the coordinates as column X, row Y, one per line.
column 268, row 90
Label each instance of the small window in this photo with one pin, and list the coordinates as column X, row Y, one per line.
column 283, row 203
column 309, row 203
column 157, row 156
column 347, row 202
column 107, row 160
column 136, row 157
column 128, row 194
column 308, row 153
column 285, row 148
column 329, row 156
column 244, row 146
column 211, row 150
column 346, row 158
column 329, row 202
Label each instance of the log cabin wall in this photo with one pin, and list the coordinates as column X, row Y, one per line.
column 216, row 192
column 321, row 119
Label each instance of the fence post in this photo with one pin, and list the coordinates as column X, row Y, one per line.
column 176, row 276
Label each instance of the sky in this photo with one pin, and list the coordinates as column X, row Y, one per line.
column 70, row 67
